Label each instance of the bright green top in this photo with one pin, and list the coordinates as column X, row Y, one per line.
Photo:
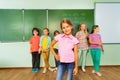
column 56, row 46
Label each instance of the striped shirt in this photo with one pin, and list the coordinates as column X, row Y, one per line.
column 82, row 38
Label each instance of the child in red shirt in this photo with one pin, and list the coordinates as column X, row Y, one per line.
column 34, row 49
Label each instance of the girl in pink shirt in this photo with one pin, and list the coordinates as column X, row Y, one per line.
column 67, row 49
column 95, row 48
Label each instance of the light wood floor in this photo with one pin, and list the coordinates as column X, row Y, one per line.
column 109, row 73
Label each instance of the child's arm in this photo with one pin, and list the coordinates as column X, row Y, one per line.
column 76, row 59
column 39, row 51
column 49, row 41
column 102, row 46
column 30, row 44
column 77, row 35
column 30, row 48
column 41, row 42
column 52, row 50
column 86, row 33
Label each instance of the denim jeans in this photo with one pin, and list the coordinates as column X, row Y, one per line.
column 62, row 68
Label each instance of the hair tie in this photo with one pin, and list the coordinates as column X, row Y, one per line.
column 94, row 26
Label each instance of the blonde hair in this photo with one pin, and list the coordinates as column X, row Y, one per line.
column 81, row 24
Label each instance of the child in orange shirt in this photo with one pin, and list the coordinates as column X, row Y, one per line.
column 34, row 48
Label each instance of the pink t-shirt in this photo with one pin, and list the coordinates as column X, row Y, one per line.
column 66, row 47
column 95, row 38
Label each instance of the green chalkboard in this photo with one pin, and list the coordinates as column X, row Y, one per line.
column 16, row 25
column 33, row 18
column 76, row 16
column 11, row 27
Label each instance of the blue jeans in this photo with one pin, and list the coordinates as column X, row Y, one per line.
column 62, row 68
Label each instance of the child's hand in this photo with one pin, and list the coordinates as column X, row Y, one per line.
column 57, row 57
column 39, row 51
column 75, row 71
column 30, row 50
column 43, row 51
column 85, row 30
column 99, row 43
column 103, row 50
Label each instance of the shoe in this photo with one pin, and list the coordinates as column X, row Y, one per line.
column 93, row 71
column 36, row 69
column 98, row 73
column 83, row 70
column 50, row 69
column 55, row 70
column 44, row 71
column 33, row 69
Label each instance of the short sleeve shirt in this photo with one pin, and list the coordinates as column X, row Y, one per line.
column 65, row 47
column 34, row 41
column 95, row 38
column 82, row 38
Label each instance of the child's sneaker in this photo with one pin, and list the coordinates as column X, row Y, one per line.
column 44, row 70
column 83, row 70
column 50, row 69
column 33, row 69
column 55, row 69
column 36, row 69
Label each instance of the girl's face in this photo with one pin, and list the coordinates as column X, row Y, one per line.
column 66, row 28
column 97, row 29
column 56, row 34
column 45, row 32
column 35, row 32
column 83, row 27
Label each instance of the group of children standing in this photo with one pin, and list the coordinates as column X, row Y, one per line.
column 40, row 45
column 67, row 49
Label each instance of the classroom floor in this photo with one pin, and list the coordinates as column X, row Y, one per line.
column 109, row 73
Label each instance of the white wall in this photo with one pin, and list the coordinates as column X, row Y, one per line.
column 14, row 54
column 46, row 4
column 109, row 24
column 17, row 54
